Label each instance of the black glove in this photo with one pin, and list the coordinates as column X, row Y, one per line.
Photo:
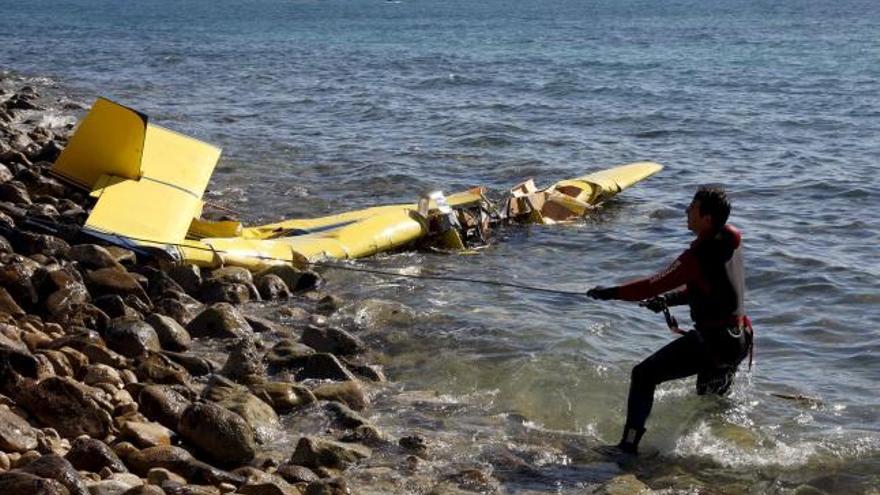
column 655, row 304
column 602, row 293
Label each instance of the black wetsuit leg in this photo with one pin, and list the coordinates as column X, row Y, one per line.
column 728, row 347
column 683, row 357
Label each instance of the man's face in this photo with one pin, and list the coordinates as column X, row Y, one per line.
column 696, row 222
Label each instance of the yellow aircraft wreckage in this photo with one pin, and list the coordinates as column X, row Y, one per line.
column 148, row 182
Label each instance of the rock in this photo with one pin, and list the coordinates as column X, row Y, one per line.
column 101, row 373
column 221, row 434
column 271, row 287
column 316, row 452
column 14, row 192
column 157, row 368
column 48, row 153
column 178, row 460
column 18, row 483
column 328, row 304
column 244, row 360
column 16, row 434
column 261, row 325
column 146, row 435
column 89, row 454
column 336, row 486
column 5, row 174
column 121, row 255
column 99, row 354
column 220, row 320
column 344, row 416
column 109, row 487
column 93, row 257
column 172, row 335
column 282, row 396
column 145, row 490
column 276, row 486
column 195, row 365
column 16, row 273
column 163, row 404
column 347, row 392
column 8, row 305
column 114, row 281
column 371, row 372
column 323, row 366
column 232, row 275
column 296, row 474
column 287, row 354
column 414, row 443
column 59, row 362
column 157, row 476
column 47, row 245
column 179, row 311
column 189, row 277
column 114, row 307
column 58, row 468
column 73, row 409
column 236, row 398
column 218, row 291
column 296, row 280
column 131, row 337
column 332, row 340
column 623, row 485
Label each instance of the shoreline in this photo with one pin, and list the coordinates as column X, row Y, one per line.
column 125, row 376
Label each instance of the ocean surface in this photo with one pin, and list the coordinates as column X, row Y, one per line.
column 324, row 106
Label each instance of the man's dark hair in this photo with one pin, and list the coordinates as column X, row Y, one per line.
column 713, row 201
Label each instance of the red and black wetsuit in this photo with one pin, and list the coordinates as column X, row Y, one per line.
column 711, row 271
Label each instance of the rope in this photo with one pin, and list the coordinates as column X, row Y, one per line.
column 368, row 270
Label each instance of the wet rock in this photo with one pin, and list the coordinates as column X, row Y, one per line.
column 273, row 486
column 323, row 366
column 287, row 354
column 131, row 337
column 414, row 443
column 89, row 454
column 296, row 474
column 221, row 434
column 179, row 311
column 5, row 174
column 172, row 335
column 282, row 396
column 328, row 304
column 47, row 245
column 179, row 461
column 163, row 404
column 232, row 275
column 347, row 392
column 99, row 354
column 14, row 192
column 345, row 416
column 220, row 320
column 370, row 372
column 49, row 152
column 258, row 414
column 16, row 273
column 19, row 483
column 315, row 452
column 623, row 485
column 244, row 360
column 93, row 257
column 217, row 291
column 332, row 340
column 73, row 409
column 16, row 434
column 194, row 365
column 58, row 468
column 114, row 307
column 336, row 486
column 113, row 281
column 189, row 277
column 157, row 476
column 8, row 304
column 271, row 287
column 157, row 368
column 5, row 220
column 121, row 255
column 146, row 434
column 296, row 280
column 261, row 325
column 145, row 490
column 109, row 487
column 101, row 373
column 83, row 315
column 59, row 362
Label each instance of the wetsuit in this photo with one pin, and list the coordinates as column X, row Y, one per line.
column 711, row 271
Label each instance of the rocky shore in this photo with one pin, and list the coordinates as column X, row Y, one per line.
column 123, row 375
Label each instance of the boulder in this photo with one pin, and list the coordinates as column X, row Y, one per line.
column 232, row 275
column 93, row 257
column 114, row 306
column 16, row 434
column 296, row 474
column 218, row 291
column 282, row 396
column 332, row 340
column 121, row 255
column 287, row 354
column 179, row 461
column 195, row 365
column 189, row 277
column 323, row 366
column 334, row 486
column 90, row 454
column 8, row 305
column 348, row 392
column 238, row 399
column 14, row 192
column 114, row 281
column 623, row 485
column 157, row 368
column 71, row 408
column 47, row 245
column 172, row 335
column 345, row 416
column 163, row 403
column 244, row 361
column 315, row 452
column 328, row 304
column 146, row 434
column 221, row 434
column 271, row 287
column 145, row 490
column 101, row 373
column 296, row 280
column 131, row 337
column 220, row 320
column 19, row 483
column 59, row 469
column 109, row 487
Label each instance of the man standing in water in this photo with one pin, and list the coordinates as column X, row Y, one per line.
column 711, row 273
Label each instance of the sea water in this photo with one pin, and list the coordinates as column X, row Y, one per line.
column 323, row 106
